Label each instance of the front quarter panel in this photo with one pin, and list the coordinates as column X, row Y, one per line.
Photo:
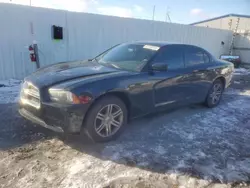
column 136, row 88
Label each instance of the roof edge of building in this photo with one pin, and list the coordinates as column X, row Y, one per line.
column 224, row 16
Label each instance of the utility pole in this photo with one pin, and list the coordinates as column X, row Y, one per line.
column 168, row 15
column 153, row 18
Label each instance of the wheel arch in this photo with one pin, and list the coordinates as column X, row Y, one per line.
column 223, row 79
column 123, row 96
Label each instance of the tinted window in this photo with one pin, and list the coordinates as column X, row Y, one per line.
column 194, row 56
column 172, row 56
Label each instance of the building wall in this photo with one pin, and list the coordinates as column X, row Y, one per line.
column 242, row 40
column 85, row 35
column 242, row 47
column 223, row 23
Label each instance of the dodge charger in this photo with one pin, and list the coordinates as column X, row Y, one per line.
column 99, row 96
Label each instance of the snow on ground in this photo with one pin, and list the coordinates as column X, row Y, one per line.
column 9, row 91
column 189, row 147
column 207, row 142
column 241, row 71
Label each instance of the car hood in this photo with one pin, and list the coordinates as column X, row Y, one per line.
column 62, row 72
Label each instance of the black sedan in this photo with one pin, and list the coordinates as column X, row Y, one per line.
column 130, row 80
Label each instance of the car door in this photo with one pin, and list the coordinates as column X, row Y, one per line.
column 197, row 63
column 170, row 87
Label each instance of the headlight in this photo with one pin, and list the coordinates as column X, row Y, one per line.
column 67, row 97
column 61, row 96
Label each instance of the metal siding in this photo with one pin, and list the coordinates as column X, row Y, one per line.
column 243, row 42
column 85, row 35
column 223, row 23
column 221, row 17
column 244, row 55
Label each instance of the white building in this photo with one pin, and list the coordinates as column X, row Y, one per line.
column 241, row 44
column 84, row 36
column 227, row 22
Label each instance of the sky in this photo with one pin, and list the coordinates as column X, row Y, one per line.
column 179, row 11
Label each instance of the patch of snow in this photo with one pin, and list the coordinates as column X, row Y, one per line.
column 231, row 91
column 190, row 136
column 201, row 154
column 199, row 140
column 96, row 173
column 159, row 149
column 240, row 71
column 143, row 164
column 9, row 91
column 245, row 93
column 236, row 82
column 181, row 164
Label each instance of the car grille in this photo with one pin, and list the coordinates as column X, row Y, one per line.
column 30, row 95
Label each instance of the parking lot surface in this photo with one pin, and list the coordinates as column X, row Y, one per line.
column 193, row 146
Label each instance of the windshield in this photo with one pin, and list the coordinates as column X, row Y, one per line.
column 130, row 57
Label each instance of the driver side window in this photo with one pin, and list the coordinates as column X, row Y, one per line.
column 171, row 55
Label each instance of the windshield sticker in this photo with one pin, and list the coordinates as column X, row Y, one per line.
column 155, row 48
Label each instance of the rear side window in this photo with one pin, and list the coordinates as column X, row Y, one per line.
column 171, row 55
column 195, row 56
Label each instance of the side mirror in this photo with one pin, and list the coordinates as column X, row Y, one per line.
column 159, row 67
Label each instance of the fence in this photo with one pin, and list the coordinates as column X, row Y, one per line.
column 85, row 35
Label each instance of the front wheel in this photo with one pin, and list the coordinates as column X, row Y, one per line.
column 215, row 94
column 106, row 119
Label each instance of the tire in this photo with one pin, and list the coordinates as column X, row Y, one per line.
column 98, row 124
column 216, row 90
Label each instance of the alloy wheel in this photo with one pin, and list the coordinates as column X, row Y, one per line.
column 216, row 93
column 108, row 120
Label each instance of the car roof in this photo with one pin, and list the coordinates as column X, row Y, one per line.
column 164, row 43
column 156, row 43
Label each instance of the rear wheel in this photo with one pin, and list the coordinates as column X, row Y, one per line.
column 106, row 119
column 215, row 94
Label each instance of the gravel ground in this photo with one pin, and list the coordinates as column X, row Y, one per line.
column 188, row 147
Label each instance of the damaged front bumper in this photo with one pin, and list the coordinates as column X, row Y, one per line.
column 26, row 114
column 56, row 117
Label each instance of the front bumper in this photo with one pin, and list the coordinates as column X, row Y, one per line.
column 228, row 80
column 57, row 117
column 26, row 114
